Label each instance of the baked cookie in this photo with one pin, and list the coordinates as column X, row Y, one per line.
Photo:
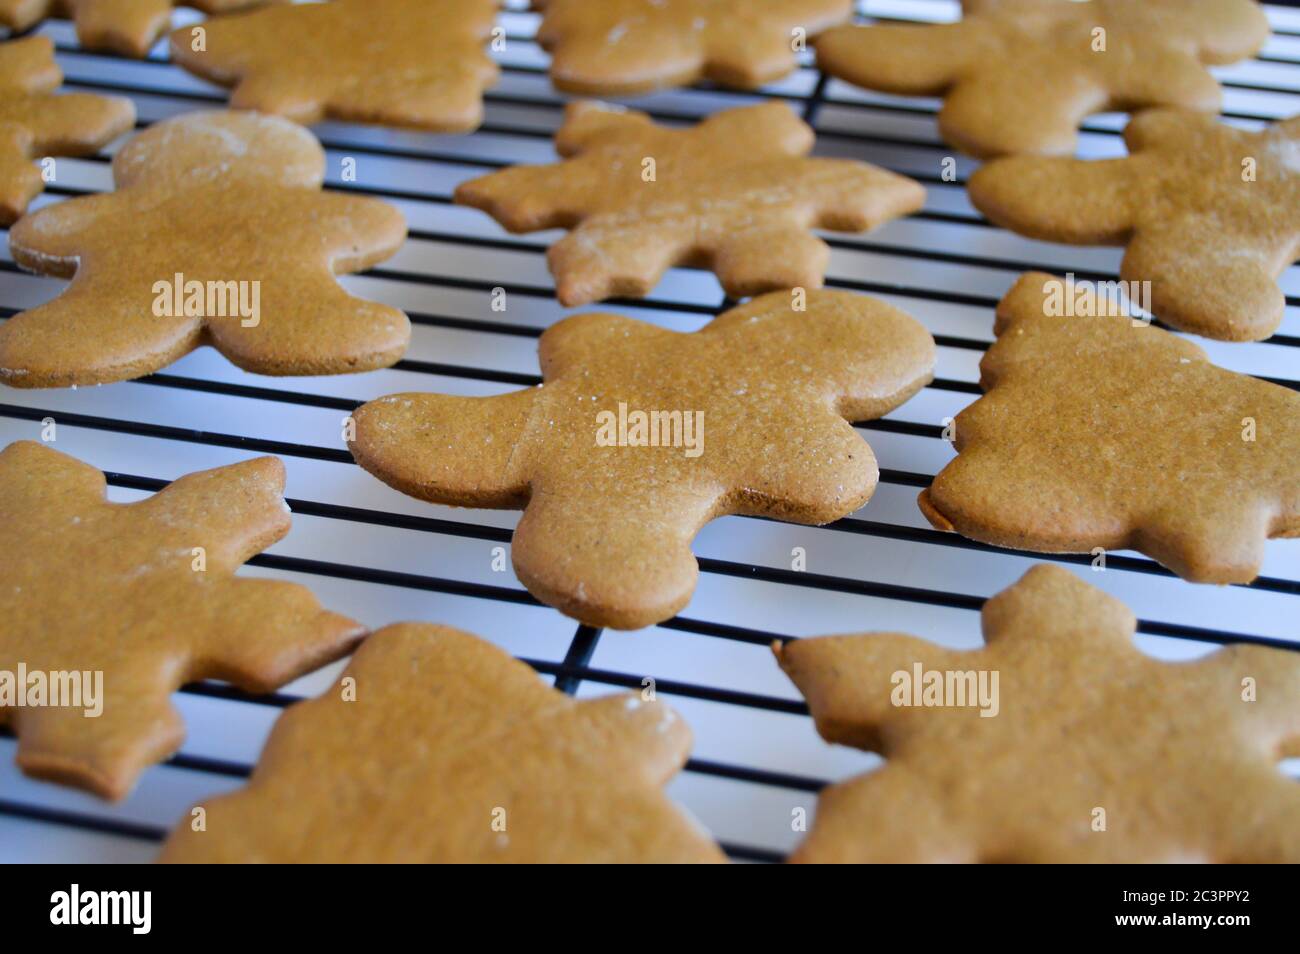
column 1057, row 742
column 218, row 234
column 122, row 604
column 35, row 122
column 1098, row 431
column 737, row 193
column 610, row 457
column 622, row 47
column 1020, row 76
column 129, row 27
column 1210, row 215
column 468, row 758
column 416, row 63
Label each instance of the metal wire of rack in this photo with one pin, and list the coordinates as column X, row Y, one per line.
column 380, row 557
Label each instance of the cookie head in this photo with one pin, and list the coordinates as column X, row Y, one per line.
column 211, row 145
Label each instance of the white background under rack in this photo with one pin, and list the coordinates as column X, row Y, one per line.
column 757, row 755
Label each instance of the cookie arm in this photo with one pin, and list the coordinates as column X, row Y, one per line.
column 305, row 321
column 51, row 240
column 1195, row 286
column 530, row 198
column 1059, row 200
column 1225, row 31
column 260, row 634
column 447, row 449
column 851, row 682
column 231, row 512
column 69, row 125
column 357, row 231
column 905, row 59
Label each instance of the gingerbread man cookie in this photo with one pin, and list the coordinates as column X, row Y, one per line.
column 1210, row 215
column 1019, row 76
column 110, row 608
column 36, row 123
column 435, row 746
column 1059, row 741
column 129, row 27
column 639, row 436
column 621, row 47
column 1099, row 431
column 218, row 234
column 416, row 63
column 737, row 193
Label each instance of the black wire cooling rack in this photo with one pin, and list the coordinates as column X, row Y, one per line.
column 380, row 557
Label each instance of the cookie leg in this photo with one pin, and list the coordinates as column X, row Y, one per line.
column 748, row 56
column 300, row 329
column 593, row 262
column 1020, row 108
column 294, row 97
column 623, row 562
column 1208, row 281
column 646, row 59
column 451, row 102
column 91, row 335
column 1222, row 544
column 104, row 754
column 886, row 817
column 127, row 26
column 762, row 259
